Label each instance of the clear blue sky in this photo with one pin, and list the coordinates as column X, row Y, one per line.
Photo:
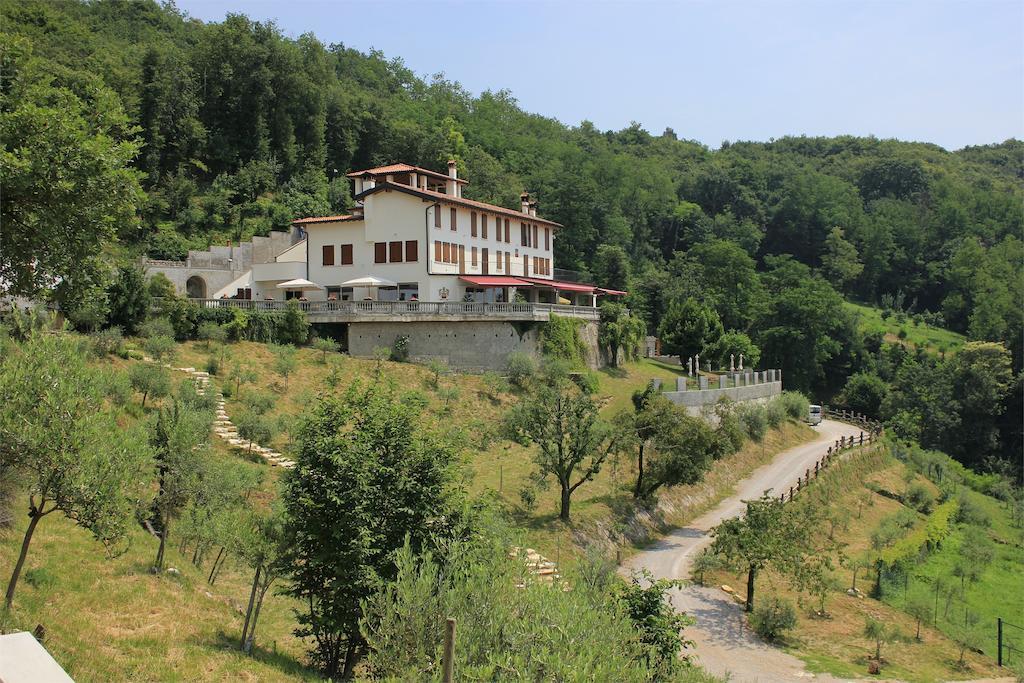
column 937, row 71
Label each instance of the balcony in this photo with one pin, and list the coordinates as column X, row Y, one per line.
column 410, row 311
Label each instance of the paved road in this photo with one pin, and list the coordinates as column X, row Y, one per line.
column 723, row 644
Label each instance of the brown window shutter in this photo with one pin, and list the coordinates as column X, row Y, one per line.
column 483, row 225
column 380, row 252
column 535, row 241
column 508, row 261
column 474, row 257
column 522, row 234
column 437, row 251
column 526, row 264
column 462, row 258
column 472, row 224
column 447, row 247
column 412, row 251
column 547, row 239
column 508, row 234
column 485, row 266
column 346, row 254
column 437, row 216
column 394, row 252
column 328, row 254
column 454, row 221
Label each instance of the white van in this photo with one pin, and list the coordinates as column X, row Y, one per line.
column 814, row 415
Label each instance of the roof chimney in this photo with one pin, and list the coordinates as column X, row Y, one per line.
column 533, row 209
column 524, row 200
column 452, row 187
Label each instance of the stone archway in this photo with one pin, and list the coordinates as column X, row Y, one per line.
column 195, row 287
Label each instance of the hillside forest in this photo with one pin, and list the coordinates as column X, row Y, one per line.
column 174, row 134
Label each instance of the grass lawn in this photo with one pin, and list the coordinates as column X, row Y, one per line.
column 835, row 644
column 934, row 340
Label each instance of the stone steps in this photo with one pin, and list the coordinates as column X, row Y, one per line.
column 226, row 430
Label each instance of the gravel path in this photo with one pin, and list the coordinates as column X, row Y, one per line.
column 723, row 644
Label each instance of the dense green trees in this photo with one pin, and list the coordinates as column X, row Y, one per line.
column 242, row 129
column 64, row 167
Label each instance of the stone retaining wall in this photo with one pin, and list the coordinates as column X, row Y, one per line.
column 471, row 346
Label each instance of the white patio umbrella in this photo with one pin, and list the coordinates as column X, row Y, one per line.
column 299, row 283
column 369, row 282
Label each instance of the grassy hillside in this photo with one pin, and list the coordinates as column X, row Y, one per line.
column 918, row 334
column 111, row 619
column 862, row 494
column 468, row 404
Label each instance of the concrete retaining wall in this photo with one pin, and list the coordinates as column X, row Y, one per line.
column 470, row 346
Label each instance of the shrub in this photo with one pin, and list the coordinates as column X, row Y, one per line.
column 211, row 332
column 156, row 327
column 886, row 314
column 902, row 334
column 160, row 348
column 919, row 497
column 560, row 338
column 259, row 402
column 107, row 342
column 325, row 346
column 400, row 349
column 772, row 618
column 775, row 413
column 969, row 512
column 294, row 326
column 212, row 365
column 415, row 399
column 754, row 419
column 795, row 404
column 730, row 431
column 520, row 369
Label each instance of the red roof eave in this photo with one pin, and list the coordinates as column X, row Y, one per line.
column 564, row 286
column 495, row 281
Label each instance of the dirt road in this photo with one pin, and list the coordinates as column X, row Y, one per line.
column 723, row 644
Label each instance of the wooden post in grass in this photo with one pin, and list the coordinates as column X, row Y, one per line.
column 448, row 658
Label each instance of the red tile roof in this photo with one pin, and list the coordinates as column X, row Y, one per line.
column 328, row 219
column 458, row 201
column 402, row 168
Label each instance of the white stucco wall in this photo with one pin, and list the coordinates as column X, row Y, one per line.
column 394, row 216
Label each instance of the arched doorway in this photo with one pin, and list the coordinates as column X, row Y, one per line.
column 195, row 287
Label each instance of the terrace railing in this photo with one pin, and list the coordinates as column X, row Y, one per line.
column 356, row 309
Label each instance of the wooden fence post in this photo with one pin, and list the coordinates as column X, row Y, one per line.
column 816, row 469
column 791, row 493
column 448, row 658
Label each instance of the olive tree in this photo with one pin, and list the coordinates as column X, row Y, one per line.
column 58, row 436
column 768, row 535
column 671, row 447
column 561, row 419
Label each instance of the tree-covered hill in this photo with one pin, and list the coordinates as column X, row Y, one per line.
column 241, row 129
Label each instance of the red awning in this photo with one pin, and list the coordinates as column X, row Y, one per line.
column 495, row 281
column 613, row 292
column 564, row 286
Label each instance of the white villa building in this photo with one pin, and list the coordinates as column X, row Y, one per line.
column 415, row 258
column 414, row 233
